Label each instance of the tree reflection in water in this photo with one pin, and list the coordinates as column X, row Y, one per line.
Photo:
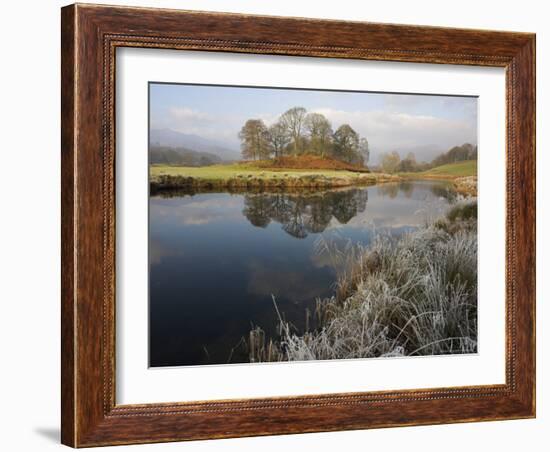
column 391, row 190
column 440, row 189
column 301, row 214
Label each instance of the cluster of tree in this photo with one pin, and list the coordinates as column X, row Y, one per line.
column 298, row 132
column 165, row 155
column 391, row 162
column 302, row 214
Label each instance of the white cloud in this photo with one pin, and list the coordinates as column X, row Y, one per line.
column 223, row 128
column 188, row 114
column 403, row 132
column 194, row 211
column 393, row 128
column 269, row 118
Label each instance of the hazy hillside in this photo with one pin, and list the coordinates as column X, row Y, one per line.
column 459, row 169
column 171, row 138
column 165, row 155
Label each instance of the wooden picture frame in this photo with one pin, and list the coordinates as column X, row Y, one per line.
column 90, row 36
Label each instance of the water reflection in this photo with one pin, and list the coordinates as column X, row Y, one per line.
column 301, row 214
column 392, row 190
column 216, row 259
column 406, row 188
column 445, row 191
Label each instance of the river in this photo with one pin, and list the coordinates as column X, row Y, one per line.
column 217, row 260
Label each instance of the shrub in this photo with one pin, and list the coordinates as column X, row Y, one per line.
column 416, row 295
column 463, row 211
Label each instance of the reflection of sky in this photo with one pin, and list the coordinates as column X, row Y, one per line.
column 212, row 273
column 206, row 209
column 387, row 209
column 389, row 206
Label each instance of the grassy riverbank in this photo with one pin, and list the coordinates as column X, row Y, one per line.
column 467, row 168
column 459, row 169
column 463, row 175
column 251, row 175
column 416, row 295
column 300, row 173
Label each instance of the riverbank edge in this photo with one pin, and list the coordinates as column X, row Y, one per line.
column 466, row 186
column 268, row 181
column 376, row 301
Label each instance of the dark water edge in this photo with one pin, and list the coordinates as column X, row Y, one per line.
column 218, row 259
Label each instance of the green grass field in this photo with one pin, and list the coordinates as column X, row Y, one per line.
column 247, row 175
column 221, row 172
column 459, row 169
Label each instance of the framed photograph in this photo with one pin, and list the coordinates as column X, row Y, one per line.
column 281, row 225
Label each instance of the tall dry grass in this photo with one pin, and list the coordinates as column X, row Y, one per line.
column 416, row 295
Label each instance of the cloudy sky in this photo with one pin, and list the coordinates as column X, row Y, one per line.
column 426, row 125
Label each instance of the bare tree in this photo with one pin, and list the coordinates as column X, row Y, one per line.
column 408, row 164
column 278, row 138
column 364, row 150
column 390, row 162
column 293, row 121
column 319, row 131
column 346, row 144
column 254, row 139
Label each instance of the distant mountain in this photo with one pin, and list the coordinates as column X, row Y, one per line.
column 181, row 156
column 173, row 139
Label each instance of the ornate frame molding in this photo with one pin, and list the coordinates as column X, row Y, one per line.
column 90, row 37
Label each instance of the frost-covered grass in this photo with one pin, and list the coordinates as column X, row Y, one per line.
column 416, row 295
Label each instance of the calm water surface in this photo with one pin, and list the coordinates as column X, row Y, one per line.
column 217, row 260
